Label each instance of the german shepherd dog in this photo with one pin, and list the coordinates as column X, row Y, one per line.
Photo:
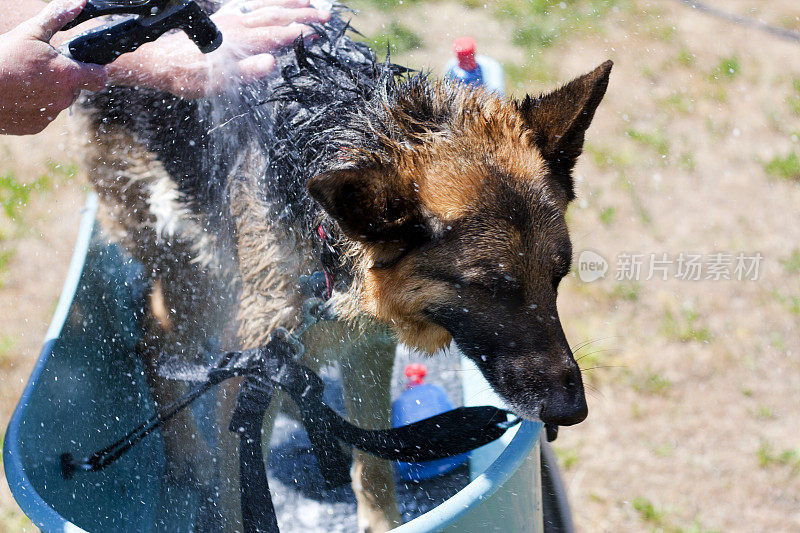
column 442, row 208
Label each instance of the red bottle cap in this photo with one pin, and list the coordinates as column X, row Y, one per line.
column 464, row 48
column 415, row 372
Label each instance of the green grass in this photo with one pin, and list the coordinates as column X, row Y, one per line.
column 14, row 195
column 686, row 162
column 398, row 37
column 62, row 170
column 629, row 292
column 767, row 457
column 567, row 457
column 14, row 198
column 607, row 215
column 695, row 527
column 727, row 68
column 786, row 167
column 7, row 344
column 534, row 37
column 383, row 5
column 539, row 24
column 660, row 31
column 648, row 72
column 12, row 519
column 657, row 519
column 6, row 255
column 653, row 383
column 591, row 362
column 607, row 158
column 776, row 340
column 638, row 204
column 791, row 263
column 790, row 302
column 686, row 58
column 522, row 78
column 684, row 327
column 793, row 100
column 679, row 102
column 718, row 94
column 648, row 512
column 656, row 140
column 665, row 449
column 764, row 412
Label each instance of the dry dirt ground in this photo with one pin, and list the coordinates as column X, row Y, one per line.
column 693, row 159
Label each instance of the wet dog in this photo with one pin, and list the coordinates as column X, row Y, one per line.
column 436, row 210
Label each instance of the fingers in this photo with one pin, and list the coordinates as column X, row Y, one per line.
column 277, row 16
column 269, row 39
column 249, row 69
column 246, row 6
column 54, row 17
column 256, row 67
column 70, row 77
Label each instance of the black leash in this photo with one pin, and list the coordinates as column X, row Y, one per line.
column 104, row 457
column 273, row 365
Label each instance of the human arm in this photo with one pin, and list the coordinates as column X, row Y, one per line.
column 36, row 82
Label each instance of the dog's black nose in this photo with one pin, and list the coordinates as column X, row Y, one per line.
column 564, row 409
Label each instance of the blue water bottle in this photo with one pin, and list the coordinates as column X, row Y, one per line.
column 474, row 69
column 419, row 401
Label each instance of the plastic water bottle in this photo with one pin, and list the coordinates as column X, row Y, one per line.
column 469, row 68
column 419, row 401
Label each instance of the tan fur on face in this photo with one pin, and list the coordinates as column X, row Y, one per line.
column 447, row 169
column 395, row 296
column 449, row 173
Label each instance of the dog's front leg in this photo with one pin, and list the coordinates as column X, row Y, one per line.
column 187, row 455
column 366, row 376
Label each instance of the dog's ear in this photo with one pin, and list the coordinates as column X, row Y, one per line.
column 559, row 120
column 371, row 205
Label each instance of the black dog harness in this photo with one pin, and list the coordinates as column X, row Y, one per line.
column 274, row 366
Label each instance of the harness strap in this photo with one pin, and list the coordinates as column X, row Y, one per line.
column 258, row 512
column 105, row 456
column 445, row 435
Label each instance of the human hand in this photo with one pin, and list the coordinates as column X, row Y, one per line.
column 36, row 82
column 251, row 29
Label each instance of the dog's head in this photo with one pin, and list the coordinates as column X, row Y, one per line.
column 460, row 218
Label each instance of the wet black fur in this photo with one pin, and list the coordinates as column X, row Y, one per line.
column 329, row 94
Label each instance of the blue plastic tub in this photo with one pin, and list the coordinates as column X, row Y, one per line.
column 85, row 380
